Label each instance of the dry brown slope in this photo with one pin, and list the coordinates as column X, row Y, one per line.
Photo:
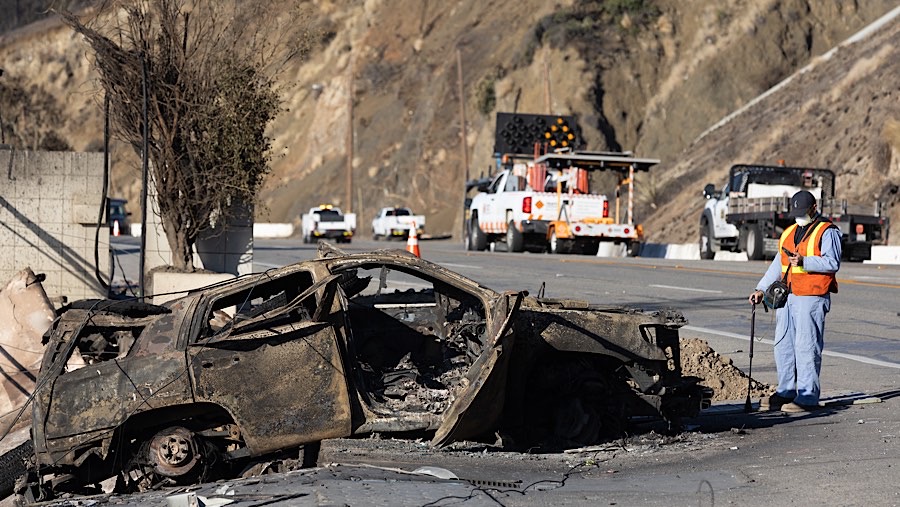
column 833, row 115
column 651, row 87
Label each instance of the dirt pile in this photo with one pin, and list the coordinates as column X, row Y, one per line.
column 728, row 382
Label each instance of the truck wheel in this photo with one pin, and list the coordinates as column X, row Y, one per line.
column 634, row 248
column 559, row 246
column 476, row 239
column 754, row 243
column 707, row 250
column 514, row 240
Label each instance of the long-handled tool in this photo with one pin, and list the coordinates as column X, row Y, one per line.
column 748, row 406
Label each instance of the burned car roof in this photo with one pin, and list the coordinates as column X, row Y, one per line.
column 341, row 345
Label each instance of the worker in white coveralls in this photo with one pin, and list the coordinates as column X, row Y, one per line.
column 814, row 244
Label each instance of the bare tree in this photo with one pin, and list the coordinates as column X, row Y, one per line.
column 210, row 68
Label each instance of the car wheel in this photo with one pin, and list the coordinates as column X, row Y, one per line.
column 707, row 251
column 754, row 243
column 174, row 452
column 514, row 239
column 477, row 238
column 12, row 466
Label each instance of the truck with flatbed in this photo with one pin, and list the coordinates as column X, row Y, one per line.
column 548, row 199
column 396, row 222
column 328, row 222
column 751, row 211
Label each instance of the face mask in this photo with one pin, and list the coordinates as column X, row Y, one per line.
column 803, row 221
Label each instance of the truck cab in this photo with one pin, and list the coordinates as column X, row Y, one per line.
column 328, row 222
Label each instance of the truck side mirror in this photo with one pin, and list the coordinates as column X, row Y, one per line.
column 709, row 191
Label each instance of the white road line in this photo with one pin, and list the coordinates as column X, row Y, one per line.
column 852, row 357
column 686, row 288
column 464, row 266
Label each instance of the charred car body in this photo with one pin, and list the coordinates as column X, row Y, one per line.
column 332, row 347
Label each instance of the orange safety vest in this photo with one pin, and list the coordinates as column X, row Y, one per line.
column 801, row 281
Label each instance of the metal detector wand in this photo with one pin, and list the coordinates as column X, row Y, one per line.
column 748, row 406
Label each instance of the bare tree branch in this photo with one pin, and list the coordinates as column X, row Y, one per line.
column 212, row 93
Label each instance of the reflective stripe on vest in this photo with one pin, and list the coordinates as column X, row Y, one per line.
column 802, row 282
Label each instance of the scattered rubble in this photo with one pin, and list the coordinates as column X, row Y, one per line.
column 728, row 382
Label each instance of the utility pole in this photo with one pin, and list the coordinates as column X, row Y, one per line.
column 462, row 113
column 462, row 134
column 2, row 131
column 349, row 190
column 547, row 84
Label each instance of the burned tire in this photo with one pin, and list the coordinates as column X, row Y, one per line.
column 707, row 249
column 515, row 242
column 574, row 401
column 309, row 454
column 12, row 466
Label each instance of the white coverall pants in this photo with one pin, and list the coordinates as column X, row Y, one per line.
column 799, row 339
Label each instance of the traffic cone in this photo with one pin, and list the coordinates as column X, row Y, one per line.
column 116, row 228
column 412, row 243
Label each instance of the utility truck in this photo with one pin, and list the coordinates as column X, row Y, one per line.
column 327, row 221
column 751, row 211
column 396, row 222
column 549, row 199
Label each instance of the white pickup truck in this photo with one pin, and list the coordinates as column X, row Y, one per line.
column 751, row 211
column 326, row 221
column 548, row 203
column 394, row 222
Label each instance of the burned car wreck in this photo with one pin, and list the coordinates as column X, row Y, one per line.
column 342, row 345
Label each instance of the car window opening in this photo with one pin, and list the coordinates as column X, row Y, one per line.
column 246, row 309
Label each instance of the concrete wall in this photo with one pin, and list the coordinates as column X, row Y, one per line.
column 224, row 250
column 49, row 204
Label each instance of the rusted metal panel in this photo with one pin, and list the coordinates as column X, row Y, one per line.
column 282, row 391
column 480, row 405
column 626, row 336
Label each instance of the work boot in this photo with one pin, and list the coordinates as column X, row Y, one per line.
column 798, row 408
column 773, row 402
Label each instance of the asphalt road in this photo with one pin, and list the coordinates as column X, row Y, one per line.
column 844, row 455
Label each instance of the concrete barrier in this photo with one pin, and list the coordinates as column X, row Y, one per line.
column 260, row 230
column 608, row 249
column 883, row 254
column 723, row 255
column 272, row 231
column 683, row 251
column 169, row 285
